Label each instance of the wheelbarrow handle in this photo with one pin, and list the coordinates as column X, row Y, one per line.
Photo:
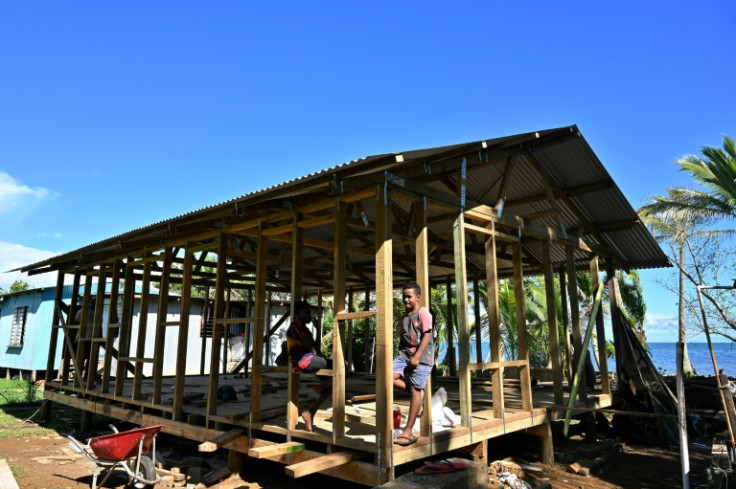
column 80, row 447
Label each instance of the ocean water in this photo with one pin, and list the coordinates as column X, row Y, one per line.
column 663, row 357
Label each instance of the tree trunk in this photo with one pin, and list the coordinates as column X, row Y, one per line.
column 687, row 368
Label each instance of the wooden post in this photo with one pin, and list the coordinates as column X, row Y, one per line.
column 160, row 341
column 71, row 338
column 595, row 279
column 566, row 324
column 96, row 335
column 226, row 334
column 259, row 325
column 203, row 329
column 577, row 336
column 216, row 345
column 366, row 332
column 422, row 278
column 463, row 333
column 351, row 324
column 181, row 350
column 450, row 328
column 126, row 325
column 554, row 339
column 476, row 314
column 384, row 330
column 524, row 371
column 141, row 341
column 113, row 324
column 494, row 323
column 297, row 262
column 56, row 322
column 613, row 310
column 338, row 330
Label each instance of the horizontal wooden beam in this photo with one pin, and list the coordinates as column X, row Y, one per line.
column 220, row 440
column 320, row 463
column 274, row 450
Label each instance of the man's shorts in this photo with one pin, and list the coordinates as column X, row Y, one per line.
column 417, row 376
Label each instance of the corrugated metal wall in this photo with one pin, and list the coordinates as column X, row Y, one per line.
column 34, row 353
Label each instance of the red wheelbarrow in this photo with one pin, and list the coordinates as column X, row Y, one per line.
column 126, row 450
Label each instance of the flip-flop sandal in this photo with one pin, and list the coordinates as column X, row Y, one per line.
column 409, row 440
column 445, row 464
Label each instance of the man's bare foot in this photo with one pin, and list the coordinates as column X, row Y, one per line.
column 307, row 417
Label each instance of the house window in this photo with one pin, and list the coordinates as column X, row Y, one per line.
column 18, row 330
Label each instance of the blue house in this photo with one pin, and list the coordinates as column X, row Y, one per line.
column 25, row 329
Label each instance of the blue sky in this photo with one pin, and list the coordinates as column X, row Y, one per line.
column 114, row 115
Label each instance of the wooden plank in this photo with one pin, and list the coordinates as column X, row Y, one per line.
column 338, row 330
column 494, row 324
column 421, row 248
column 220, row 440
column 275, row 450
column 554, row 339
column 524, row 372
column 384, row 331
column 55, row 321
column 366, row 332
column 488, row 232
column 183, row 336
column 320, row 463
column 220, row 284
column 595, row 279
column 112, row 323
column 349, row 316
column 565, row 323
column 297, row 267
column 476, row 315
column 259, row 325
column 140, row 350
column 463, row 333
column 68, row 343
column 160, row 338
column 450, row 328
column 577, row 337
column 96, row 333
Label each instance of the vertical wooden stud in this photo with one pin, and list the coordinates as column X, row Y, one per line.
column 422, row 266
column 56, row 322
column 160, row 341
column 577, row 337
column 126, row 325
column 141, row 341
column 70, row 338
column 216, row 345
column 366, row 332
column 259, row 325
column 183, row 337
column 384, row 330
column 524, row 371
column 565, row 324
column 297, row 262
column 96, row 335
column 338, row 330
column 450, row 330
column 494, row 323
column 203, row 329
column 113, row 324
column 595, row 280
column 476, row 314
column 554, row 335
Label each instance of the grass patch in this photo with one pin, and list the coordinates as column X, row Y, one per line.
column 14, row 392
column 18, row 471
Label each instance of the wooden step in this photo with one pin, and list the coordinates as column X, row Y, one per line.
column 279, row 449
column 320, row 463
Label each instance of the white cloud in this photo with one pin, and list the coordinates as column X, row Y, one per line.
column 13, row 255
column 17, row 198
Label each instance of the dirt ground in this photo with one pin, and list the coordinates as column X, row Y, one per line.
column 47, row 462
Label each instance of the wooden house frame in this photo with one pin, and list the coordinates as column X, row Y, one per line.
column 532, row 204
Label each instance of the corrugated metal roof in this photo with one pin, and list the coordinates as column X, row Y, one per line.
column 562, row 153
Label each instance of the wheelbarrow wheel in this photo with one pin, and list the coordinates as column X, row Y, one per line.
column 146, row 471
